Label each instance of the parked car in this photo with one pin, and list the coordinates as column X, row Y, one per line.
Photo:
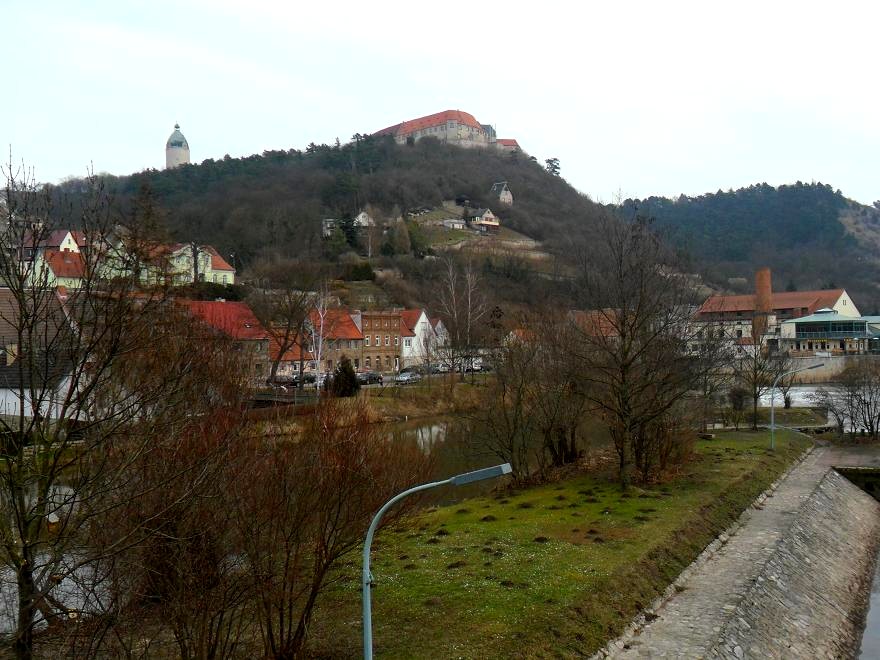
column 407, row 377
column 368, row 377
column 307, row 378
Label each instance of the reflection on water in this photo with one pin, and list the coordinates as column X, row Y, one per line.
column 871, row 639
column 445, row 441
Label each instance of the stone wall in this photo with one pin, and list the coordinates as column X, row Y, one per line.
column 810, row 597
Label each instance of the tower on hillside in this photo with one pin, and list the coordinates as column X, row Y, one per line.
column 176, row 149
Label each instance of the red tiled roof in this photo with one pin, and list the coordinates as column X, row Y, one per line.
column 596, row 322
column 234, row 319
column 408, row 320
column 812, row 300
column 507, row 142
column 413, row 125
column 292, row 354
column 79, row 238
column 65, row 263
column 218, row 262
column 338, row 324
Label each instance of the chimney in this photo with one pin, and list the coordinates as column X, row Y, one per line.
column 763, row 303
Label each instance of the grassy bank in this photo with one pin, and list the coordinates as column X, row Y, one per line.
column 439, row 395
column 545, row 572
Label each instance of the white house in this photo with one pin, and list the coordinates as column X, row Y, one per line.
column 418, row 341
column 501, row 191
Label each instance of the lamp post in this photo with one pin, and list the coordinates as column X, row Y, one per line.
column 367, row 577
column 773, row 399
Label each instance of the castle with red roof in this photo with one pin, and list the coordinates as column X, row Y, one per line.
column 451, row 126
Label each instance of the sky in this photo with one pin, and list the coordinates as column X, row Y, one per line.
column 633, row 98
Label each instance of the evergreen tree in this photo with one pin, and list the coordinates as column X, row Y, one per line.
column 345, row 382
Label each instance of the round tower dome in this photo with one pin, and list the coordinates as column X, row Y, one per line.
column 176, row 149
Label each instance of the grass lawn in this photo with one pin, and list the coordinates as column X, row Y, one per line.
column 553, row 571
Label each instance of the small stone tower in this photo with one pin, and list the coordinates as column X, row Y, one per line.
column 176, row 149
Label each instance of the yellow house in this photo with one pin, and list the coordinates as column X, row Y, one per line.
column 59, row 268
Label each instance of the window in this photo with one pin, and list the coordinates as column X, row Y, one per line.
column 357, row 364
column 329, row 365
column 386, row 323
column 739, row 333
column 378, row 340
column 387, row 340
column 388, row 362
column 366, row 340
column 397, row 341
column 366, row 362
column 407, row 343
column 366, row 324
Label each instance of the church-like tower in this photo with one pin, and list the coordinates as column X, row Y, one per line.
column 176, row 149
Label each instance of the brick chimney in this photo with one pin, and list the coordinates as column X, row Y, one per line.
column 763, row 303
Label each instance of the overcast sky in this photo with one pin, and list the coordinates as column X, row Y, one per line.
column 638, row 99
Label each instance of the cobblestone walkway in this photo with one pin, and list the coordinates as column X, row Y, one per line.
column 689, row 623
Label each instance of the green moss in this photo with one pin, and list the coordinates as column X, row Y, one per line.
column 549, row 571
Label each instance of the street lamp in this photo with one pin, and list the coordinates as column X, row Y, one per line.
column 367, row 577
column 773, row 399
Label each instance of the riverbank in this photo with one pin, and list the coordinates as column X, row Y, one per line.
column 554, row 570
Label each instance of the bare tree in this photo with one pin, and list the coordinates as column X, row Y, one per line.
column 634, row 334
column 461, row 301
column 78, row 412
column 756, row 368
column 306, row 506
column 284, row 304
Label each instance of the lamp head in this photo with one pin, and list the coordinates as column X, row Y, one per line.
column 480, row 475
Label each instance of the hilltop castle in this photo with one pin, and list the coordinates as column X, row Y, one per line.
column 176, row 149
column 452, row 126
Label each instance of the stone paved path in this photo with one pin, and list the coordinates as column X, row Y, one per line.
column 688, row 624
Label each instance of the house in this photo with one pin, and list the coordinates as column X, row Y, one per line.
column 236, row 321
column 38, row 383
column 289, row 361
column 454, row 223
column 54, row 268
column 36, row 242
column 484, row 220
column 828, row 333
column 166, row 264
column 381, row 331
column 418, row 339
column 502, row 193
column 762, row 312
column 334, row 334
column 507, row 144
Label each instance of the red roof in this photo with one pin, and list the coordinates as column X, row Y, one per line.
column 812, row 300
column 233, row 319
column 596, row 322
column 508, row 142
column 338, row 324
column 218, row 262
column 65, row 263
column 51, row 239
column 292, row 354
column 409, row 318
column 413, row 125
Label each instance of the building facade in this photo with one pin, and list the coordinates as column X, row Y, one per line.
column 381, row 331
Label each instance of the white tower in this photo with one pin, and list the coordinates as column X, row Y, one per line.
column 176, row 149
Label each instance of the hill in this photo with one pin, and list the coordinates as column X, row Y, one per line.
column 809, row 234
column 274, row 202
